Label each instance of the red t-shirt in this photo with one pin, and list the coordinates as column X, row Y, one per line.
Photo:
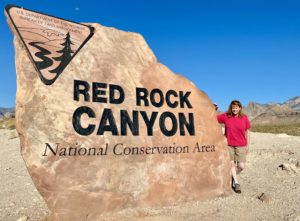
column 235, row 129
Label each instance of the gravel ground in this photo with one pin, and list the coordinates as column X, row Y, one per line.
column 270, row 187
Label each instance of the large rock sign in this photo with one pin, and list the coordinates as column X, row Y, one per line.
column 115, row 129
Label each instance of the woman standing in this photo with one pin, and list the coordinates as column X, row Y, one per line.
column 236, row 131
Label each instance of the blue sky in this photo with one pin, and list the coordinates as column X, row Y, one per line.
column 246, row 50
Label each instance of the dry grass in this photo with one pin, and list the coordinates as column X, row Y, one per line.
column 290, row 129
column 7, row 123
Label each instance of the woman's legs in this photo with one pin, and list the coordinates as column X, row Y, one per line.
column 236, row 168
column 240, row 167
column 234, row 172
column 238, row 159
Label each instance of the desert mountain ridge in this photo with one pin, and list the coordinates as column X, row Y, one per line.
column 275, row 117
column 290, row 107
column 7, row 112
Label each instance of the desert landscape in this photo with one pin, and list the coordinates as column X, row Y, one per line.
column 94, row 118
column 270, row 183
column 270, row 187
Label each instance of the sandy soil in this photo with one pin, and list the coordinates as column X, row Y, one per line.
column 270, row 187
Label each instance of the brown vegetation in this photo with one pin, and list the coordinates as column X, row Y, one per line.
column 275, row 128
column 7, row 123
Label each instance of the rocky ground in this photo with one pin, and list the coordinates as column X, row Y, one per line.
column 270, row 187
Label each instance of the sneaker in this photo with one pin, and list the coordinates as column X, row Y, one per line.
column 237, row 188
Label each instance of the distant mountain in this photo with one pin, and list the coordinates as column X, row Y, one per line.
column 294, row 103
column 275, row 117
column 7, row 112
column 253, row 110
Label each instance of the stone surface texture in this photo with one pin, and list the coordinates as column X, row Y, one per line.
column 86, row 187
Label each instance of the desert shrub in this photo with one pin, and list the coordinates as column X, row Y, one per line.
column 290, row 129
column 7, row 123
